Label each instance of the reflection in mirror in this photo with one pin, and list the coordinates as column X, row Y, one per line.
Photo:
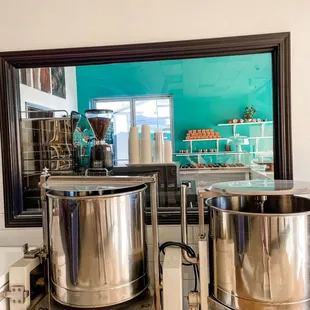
column 217, row 112
column 46, row 131
column 83, row 140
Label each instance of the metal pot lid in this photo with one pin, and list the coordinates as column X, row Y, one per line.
column 89, row 186
column 261, row 187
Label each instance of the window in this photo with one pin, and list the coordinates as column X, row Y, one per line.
column 135, row 111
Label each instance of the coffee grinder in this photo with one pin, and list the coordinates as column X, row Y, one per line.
column 101, row 152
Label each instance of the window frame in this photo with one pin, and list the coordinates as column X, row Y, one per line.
column 132, row 100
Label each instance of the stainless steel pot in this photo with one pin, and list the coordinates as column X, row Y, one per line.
column 260, row 260
column 97, row 243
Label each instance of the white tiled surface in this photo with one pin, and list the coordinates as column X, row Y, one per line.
column 17, row 237
column 170, row 233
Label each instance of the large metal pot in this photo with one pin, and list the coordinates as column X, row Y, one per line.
column 260, row 260
column 97, row 244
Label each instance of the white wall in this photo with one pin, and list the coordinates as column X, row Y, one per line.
column 31, row 95
column 32, row 25
column 104, row 22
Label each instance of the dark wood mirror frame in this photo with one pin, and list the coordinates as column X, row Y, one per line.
column 278, row 44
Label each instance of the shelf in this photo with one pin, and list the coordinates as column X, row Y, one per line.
column 266, row 137
column 251, row 123
column 210, row 153
column 222, row 139
column 219, row 153
column 216, row 139
column 234, row 135
column 210, row 170
column 262, row 152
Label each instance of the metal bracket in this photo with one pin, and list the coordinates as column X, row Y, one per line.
column 17, row 294
column 37, row 252
column 193, row 300
column 191, row 260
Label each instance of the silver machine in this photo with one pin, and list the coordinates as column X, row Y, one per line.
column 253, row 254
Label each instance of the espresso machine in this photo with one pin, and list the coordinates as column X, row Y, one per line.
column 101, row 152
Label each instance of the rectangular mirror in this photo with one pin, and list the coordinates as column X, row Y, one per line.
column 221, row 114
column 217, row 112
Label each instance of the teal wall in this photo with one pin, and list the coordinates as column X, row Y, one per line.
column 206, row 91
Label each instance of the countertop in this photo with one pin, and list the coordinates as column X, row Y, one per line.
column 8, row 256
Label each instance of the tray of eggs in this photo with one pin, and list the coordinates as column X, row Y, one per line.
column 211, row 166
column 202, row 134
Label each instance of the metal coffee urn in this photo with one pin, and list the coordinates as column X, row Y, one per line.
column 94, row 231
column 259, row 243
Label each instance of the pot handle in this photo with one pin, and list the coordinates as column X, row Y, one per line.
column 97, row 169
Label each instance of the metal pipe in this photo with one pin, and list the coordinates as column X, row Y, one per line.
column 154, row 208
column 204, row 272
column 192, row 260
column 45, row 223
column 201, row 209
column 43, row 179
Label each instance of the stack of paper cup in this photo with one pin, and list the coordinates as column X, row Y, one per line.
column 146, row 145
column 168, row 151
column 134, row 146
column 158, row 146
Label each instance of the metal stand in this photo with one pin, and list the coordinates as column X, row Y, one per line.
column 206, row 302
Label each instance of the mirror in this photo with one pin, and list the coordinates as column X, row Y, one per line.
column 218, row 113
column 223, row 116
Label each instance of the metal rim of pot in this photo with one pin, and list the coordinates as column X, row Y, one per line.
column 258, row 213
column 138, row 188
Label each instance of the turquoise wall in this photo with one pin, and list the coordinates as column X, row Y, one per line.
column 206, row 91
